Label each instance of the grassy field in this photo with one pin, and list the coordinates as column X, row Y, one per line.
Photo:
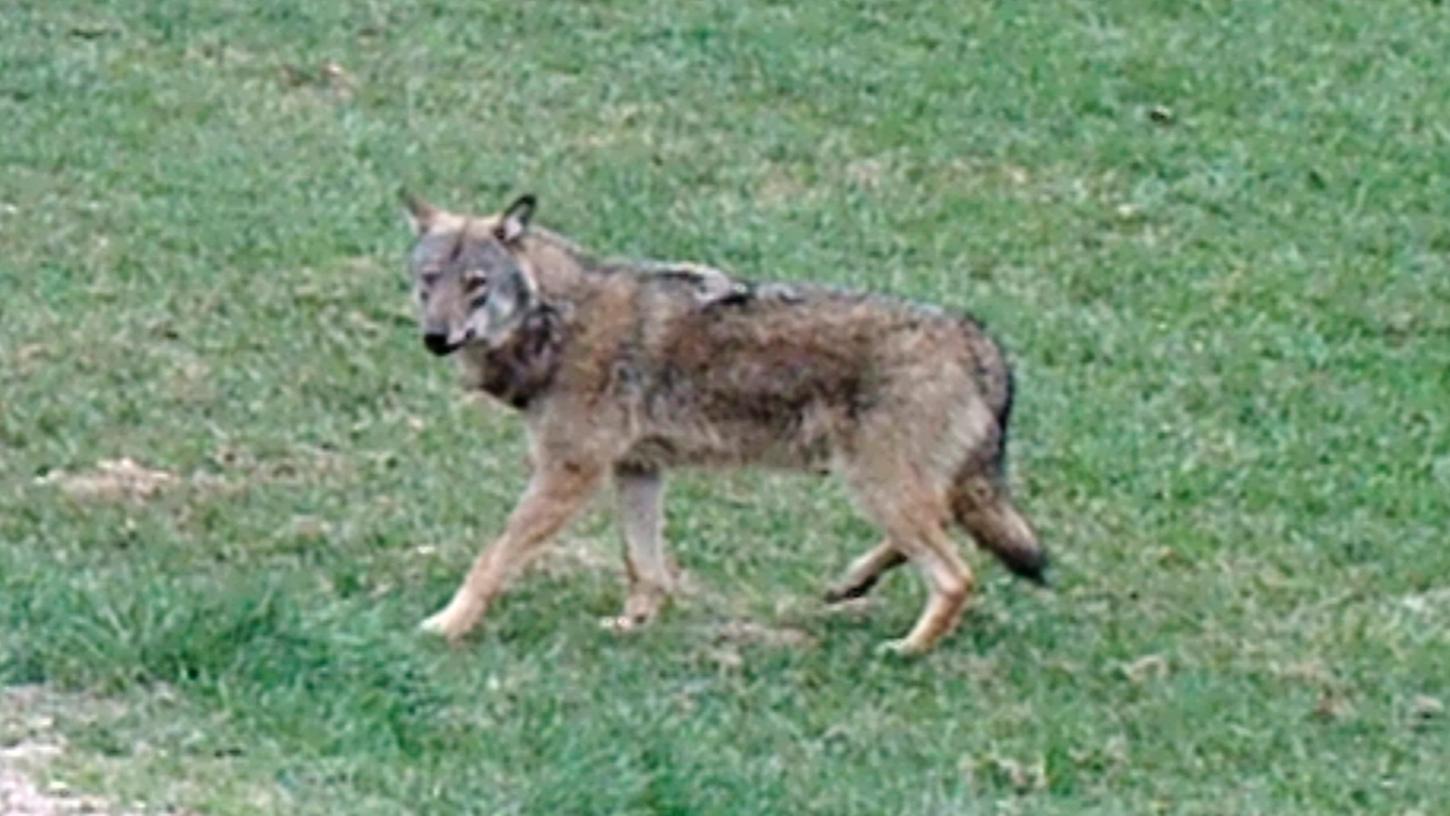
column 1214, row 235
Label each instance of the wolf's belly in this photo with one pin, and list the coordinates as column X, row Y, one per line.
column 797, row 443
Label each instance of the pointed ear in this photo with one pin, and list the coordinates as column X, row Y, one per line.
column 509, row 299
column 515, row 219
column 420, row 214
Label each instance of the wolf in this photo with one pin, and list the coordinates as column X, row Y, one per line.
column 623, row 370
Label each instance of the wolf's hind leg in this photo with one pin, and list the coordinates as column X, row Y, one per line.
column 913, row 514
column 554, row 495
column 865, row 571
column 948, row 580
column 639, row 496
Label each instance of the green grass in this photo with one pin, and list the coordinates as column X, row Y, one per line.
column 1214, row 235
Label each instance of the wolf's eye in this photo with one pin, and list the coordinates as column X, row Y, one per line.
column 473, row 281
column 477, row 303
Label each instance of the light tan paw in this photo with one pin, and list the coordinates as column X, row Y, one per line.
column 901, row 647
column 619, row 624
column 639, row 611
column 448, row 623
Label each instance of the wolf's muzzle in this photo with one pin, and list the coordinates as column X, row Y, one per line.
column 439, row 345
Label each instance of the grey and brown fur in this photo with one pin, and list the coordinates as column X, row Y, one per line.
column 623, row 371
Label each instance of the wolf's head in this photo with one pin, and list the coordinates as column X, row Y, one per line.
column 469, row 284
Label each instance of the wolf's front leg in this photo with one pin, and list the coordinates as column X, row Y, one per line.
column 555, row 493
column 639, row 496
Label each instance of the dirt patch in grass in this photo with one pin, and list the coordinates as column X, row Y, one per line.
column 112, row 480
column 21, row 797
column 28, row 743
column 124, row 480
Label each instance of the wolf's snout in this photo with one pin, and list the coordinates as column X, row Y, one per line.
column 437, row 342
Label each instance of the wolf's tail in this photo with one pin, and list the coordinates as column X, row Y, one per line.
column 979, row 498
column 981, row 505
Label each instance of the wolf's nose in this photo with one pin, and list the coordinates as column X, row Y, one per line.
column 437, row 343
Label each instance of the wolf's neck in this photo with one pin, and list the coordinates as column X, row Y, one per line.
column 521, row 370
column 557, row 264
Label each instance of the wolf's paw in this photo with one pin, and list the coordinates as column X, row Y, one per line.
column 640, row 609
column 839, row 594
column 845, row 591
column 639, row 612
column 620, row 624
column 448, row 623
column 901, row 647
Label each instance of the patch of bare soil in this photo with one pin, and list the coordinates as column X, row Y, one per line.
column 20, row 797
column 27, row 744
column 112, row 480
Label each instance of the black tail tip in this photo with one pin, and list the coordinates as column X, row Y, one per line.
column 1033, row 569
